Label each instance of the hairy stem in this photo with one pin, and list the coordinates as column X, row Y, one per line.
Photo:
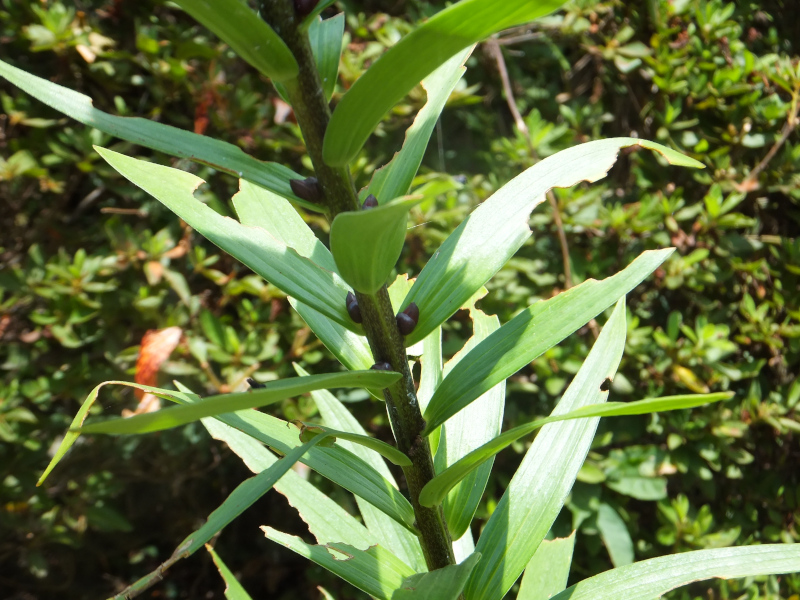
column 312, row 113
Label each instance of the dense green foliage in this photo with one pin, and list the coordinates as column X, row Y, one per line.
column 89, row 263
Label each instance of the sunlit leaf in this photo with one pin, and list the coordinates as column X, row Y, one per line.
column 247, row 34
column 547, row 571
column 221, row 155
column 536, row 493
column 493, row 233
column 269, row 257
column 410, row 60
column 441, row 584
column 532, row 332
column 375, row 571
column 272, row 392
column 433, row 492
column 655, row 577
column 367, row 243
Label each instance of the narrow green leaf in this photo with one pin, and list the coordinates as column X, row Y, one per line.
column 326, row 520
column 241, row 498
column 391, row 535
column 409, row 61
column 257, row 207
column 547, row 571
column 325, row 37
column 336, row 463
column 73, row 433
column 390, row 453
column 274, row 391
column 367, row 243
column 394, row 179
column 492, row 234
column 317, row 10
column 221, row 155
column 536, row 493
column 615, row 536
column 532, row 332
column 351, row 349
column 434, row 491
column 655, row 577
column 375, row 571
column 266, row 255
column 233, row 589
column 466, row 431
column 247, row 34
column 442, row 584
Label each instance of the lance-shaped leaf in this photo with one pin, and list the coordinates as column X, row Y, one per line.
column 336, row 463
column 326, row 520
column 376, row 571
column 367, row 243
column 435, row 490
column 74, row 429
column 257, row 207
column 391, row 535
column 242, row 497
column 531, row 333
column 390, row 453
column 233, row 589
column 269, row 257
column 221, row 155
column 615, row 535
column 537, row 491
column 468, row 430
column 409, row 61
column 548, row 570
column 394, row 179
column 247, row 34
column 441, row 584
column 655, row 577
column 492, row 234
column 272, row 392
column 325, row 37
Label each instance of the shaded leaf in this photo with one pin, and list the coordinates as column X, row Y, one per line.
column 442, row 584
column 233, row 589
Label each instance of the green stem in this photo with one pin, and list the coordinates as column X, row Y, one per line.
column 313, row 113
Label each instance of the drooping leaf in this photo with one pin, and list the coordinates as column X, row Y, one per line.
column 615, row 535
column 262, row 252
column 441, row 584
column 532, row 332
column 272, row 392
column 548, row 570
column 394, row 179
column 434, row 491
column 336, row 463
column 326, row 520
column 247, row 34
column 73, row 433
column 466, row 431
column 492, row 234
column 391, row 535
column 221, row 155
column 325, row 37
column 536, row 493
column 233, row 589
column 409, row 61
column 376, row 571
column 241, row 498
column 655, row 577
column 367, row 243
